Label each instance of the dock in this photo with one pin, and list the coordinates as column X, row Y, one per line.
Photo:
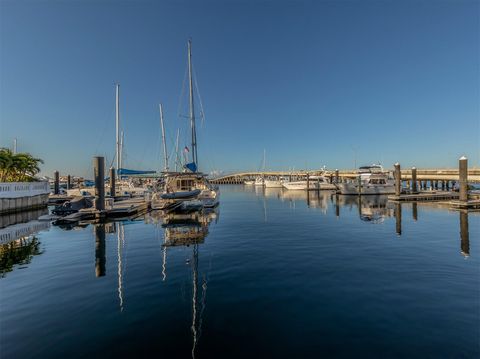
column 431, row 196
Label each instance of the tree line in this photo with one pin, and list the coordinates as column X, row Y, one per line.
column 19, row 167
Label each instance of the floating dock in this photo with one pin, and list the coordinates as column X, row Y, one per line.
column 430, row 196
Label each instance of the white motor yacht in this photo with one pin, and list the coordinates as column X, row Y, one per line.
column 315, row 183
column 259, row 181
column 371, row 180
column 270, row 183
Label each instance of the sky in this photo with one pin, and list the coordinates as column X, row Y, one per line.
column 313, row 83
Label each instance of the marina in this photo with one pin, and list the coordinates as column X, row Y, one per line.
column 319, row 198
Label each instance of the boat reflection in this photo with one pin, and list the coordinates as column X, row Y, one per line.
column 189, row 230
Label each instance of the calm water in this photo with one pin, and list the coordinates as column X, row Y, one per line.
column 269, row 274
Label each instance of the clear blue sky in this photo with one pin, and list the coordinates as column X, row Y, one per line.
column 312, row 82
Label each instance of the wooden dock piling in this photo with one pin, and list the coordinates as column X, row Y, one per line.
column 398, row 179
column 463, row 176
column 69, row 182
column 414, row 180
column 112, row 182
column 99, row 177
column 56, row 185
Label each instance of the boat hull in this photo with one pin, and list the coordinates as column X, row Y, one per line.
column 353, row 189
column 273, row 184
column 313, row 185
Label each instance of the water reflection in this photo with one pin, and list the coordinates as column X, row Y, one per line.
column 373, row 209
column 18, row 240
column 188, row 230
column 464, row 235
column 100, row 260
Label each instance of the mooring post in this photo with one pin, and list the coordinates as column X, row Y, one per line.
column 463, row 178
column 69, row 181
column 56, row 182
column 99, row 177
column 398, row 179
column 414, row 180
column 100, row 260
column 112, row 182
column 308, row 182
column 337, row 177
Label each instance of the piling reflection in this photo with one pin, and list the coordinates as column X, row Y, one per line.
column 100, row 260
column 464, row 235
column 398, row 218
column 189, row 230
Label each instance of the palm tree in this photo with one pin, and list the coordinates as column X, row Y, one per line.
column 18, row 167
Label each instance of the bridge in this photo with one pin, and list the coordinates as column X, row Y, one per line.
column 444, row 174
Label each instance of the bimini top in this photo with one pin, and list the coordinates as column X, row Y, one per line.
column 127, row 172
column 371, row 169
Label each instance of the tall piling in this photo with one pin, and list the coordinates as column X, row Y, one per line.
column 69, row 182
column 99, row 177
column 56, row 182
column 398, row 179
column 112, row 182
column 463, row 177
column 336, row 176
column 414, row 180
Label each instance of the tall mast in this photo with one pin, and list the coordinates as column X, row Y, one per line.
column 192, row 111
column 165, row 166
column 117, row 126
column 177, row 156
column 264, row 159
column 122, row 141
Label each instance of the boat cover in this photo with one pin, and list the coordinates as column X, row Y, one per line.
column 181, row 195
column 127, row 172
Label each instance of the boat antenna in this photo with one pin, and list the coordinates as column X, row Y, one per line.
column 192, row 111
column 165, row 166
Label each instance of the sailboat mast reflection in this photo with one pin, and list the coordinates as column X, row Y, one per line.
column 189, row 229
column 120, row 246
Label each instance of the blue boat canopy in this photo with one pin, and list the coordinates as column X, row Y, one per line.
column 192, row 166
column 127, row 172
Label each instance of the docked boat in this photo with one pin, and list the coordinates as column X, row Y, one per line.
column 259, row 181
column 269, row 183
column 315, row 183
column 189, row 190
column 371, row 180
column 249, row 183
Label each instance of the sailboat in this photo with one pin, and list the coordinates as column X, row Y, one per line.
column 189, row 190
column 260, row 180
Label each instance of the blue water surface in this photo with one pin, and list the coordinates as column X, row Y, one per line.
column 270, row 273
